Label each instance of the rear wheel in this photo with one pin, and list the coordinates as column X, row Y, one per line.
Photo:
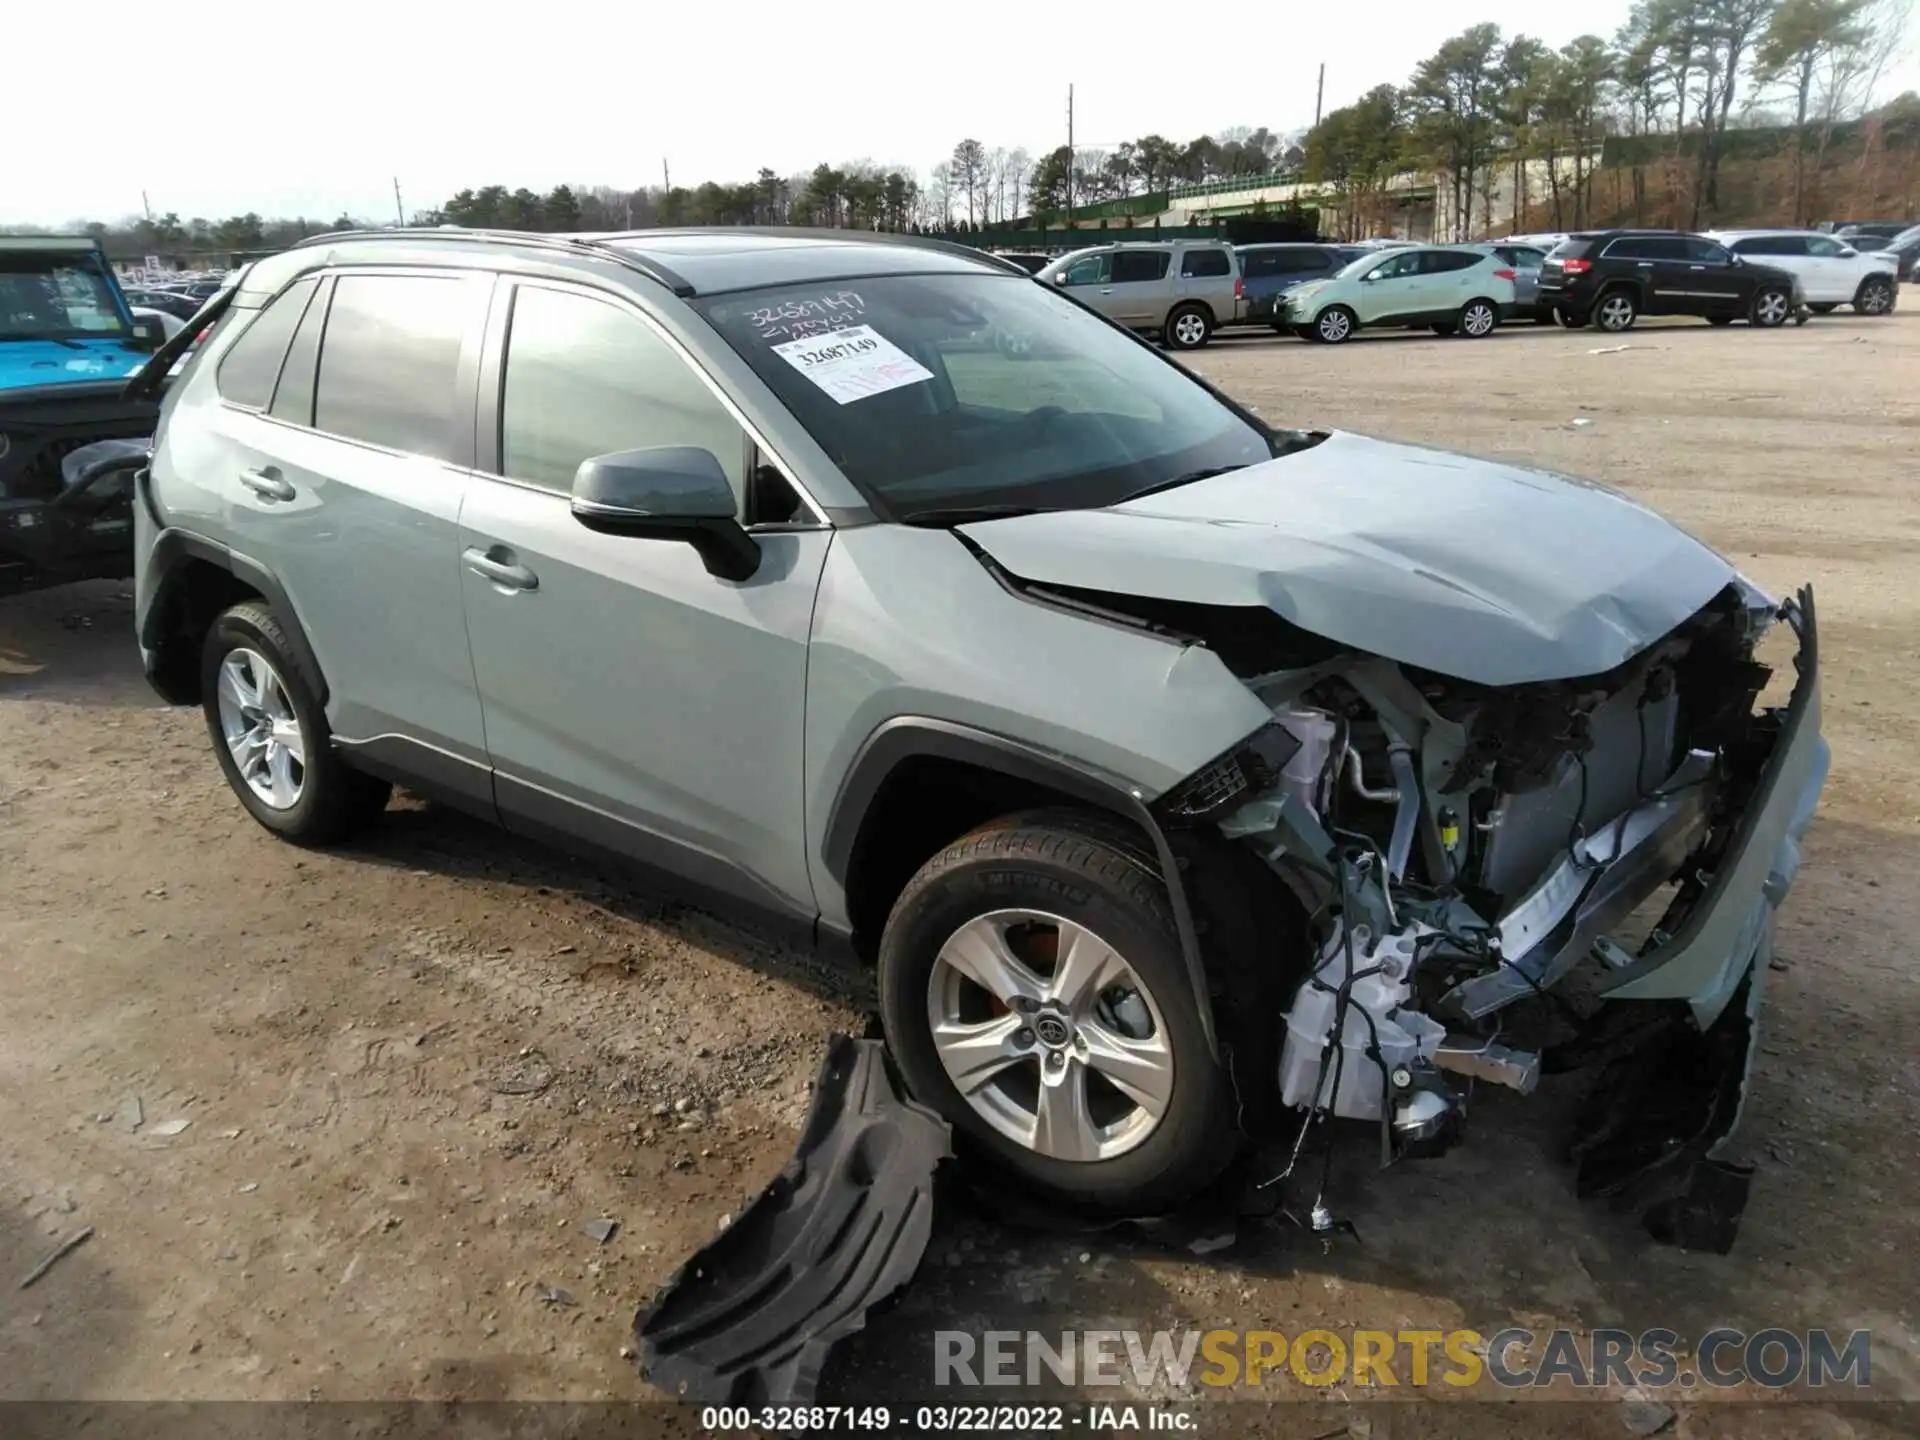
column 1187, row 328
column 1616, row 311
column 1478, row 318
column 1772, row 307
column 1335, row 325
column 271, row 736
column 1033, row 988
column 1874, row 297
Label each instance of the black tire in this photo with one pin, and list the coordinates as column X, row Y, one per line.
column 1334, row 325
column 334, row 800
column 1827, row 307
column 1188, row 327
column 1478, row 318
column 1772, row 307
column 1574, row 319
column 1080, row 869
column 1876, row 296
column 1616, row 310
column 1446, row 329
column 1719, row 319
column 1305, row 332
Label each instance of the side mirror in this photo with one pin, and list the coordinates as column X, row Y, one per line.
column 667, row 492
column 1060, row 278
column 147, row 334
column 1847, row 252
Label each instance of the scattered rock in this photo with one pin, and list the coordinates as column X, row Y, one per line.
column 249, row 1187
column 528, row 1074
column 130, row 1116
column 553, row 1295
column 168, row 1128
column 1645, row 1417
column 600, row 1230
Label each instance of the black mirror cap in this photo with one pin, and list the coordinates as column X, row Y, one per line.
column 667, row 492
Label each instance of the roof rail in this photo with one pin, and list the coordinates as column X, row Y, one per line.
column 569, row 244
column 820, row 232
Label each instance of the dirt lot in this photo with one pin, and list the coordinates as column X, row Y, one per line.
column 410, row 1070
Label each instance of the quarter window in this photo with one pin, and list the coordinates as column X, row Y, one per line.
column 585, row 377
column 390, row 361
column 252, row 364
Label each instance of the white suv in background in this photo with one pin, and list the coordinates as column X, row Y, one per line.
column 1831, row 272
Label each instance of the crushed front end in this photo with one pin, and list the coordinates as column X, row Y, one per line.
column 1506, row 880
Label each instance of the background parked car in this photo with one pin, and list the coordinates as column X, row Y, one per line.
column 1612, row 277
column 1271, row 270
column 1031, row 261
column 1905, row 249
column 1525, row 262
column 1831, row 272
column 170, row 302
column 1453, row 289
column 1181, row 290
column 1850, row 230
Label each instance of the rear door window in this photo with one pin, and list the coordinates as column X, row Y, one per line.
column 252, row 364
column 390, row 361
column 1130, row 266
column 1702, row 251
column 293, row 396
column 1648, row 247
column 1445, row 262
column 1204, row 264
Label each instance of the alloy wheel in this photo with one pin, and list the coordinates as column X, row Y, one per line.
column 1616, row 313
column 262, row 732
column 1478, row 321
column 1772, row 307
column 1335, row 326
column 1050, row 1035
column 1876, row 299
column 1189, row 330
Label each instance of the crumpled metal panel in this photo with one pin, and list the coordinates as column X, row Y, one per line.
column 750, row 1319
column 1489, row 572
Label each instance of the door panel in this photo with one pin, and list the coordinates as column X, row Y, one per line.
column 1392, row 291
column 636, row 700
column 363, row 537
column 631, row 698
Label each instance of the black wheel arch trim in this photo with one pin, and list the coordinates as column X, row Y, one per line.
column 173, row 548
column 921, row 737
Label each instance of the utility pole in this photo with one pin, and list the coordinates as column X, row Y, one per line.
column 666, row 177
column 144, row 205
column 1319, row 94
column 399, row 212
column 1069, row 157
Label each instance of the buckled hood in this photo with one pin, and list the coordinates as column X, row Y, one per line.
column 1489, row 572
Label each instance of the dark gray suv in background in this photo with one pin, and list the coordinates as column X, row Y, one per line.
column 1172, row 769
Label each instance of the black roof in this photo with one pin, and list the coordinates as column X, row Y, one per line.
column 690, row 261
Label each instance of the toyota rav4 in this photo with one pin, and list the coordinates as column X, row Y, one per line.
column 1185, row 778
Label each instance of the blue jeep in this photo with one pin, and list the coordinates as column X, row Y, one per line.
column 68, row 346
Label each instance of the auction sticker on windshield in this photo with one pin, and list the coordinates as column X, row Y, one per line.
column 854, row 363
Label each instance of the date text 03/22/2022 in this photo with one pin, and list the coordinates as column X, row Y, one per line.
column 956, row 1419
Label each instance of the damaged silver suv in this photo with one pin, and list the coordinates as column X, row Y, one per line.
column 1186, row 779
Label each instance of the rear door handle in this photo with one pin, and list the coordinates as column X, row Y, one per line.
column 268, row 484
column 503, row 573
column 1107, row 290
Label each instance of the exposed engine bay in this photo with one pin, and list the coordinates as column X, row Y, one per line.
column 1471, row 857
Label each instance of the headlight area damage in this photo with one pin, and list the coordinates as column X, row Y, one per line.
column 1480, row 863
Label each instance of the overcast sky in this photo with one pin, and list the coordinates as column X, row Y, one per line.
column 313, row 110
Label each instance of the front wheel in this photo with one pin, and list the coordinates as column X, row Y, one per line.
column 271, row 736
column 1874, row 297
column 1772, row 307
column 1033, row 989
column 1187, row 328
column 1334, row 325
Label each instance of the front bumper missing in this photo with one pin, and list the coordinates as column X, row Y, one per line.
column 1659, row 1135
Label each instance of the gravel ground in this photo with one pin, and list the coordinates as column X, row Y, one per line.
column 410, row 1070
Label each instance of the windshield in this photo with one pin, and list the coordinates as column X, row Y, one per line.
column 941, row 392
column 56, row 297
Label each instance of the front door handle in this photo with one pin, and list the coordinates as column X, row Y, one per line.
column 503, row 573
column 268, row 484
column 1106, row 290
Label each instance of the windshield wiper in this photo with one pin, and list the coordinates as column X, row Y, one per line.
column 942, row 516
column 29, row 335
